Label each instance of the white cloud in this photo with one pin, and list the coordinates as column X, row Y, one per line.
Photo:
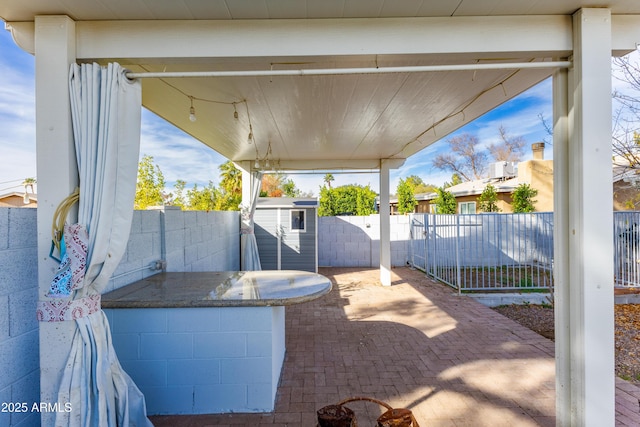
column 178, row 155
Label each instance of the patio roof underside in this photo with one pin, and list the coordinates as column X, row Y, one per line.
column 323, row 121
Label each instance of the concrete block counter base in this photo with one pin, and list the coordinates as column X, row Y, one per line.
column 198, row 343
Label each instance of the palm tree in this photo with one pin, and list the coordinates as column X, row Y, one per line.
column 328, row 178
column 29, row 182
column 230, row 177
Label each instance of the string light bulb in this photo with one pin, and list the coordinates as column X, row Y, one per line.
column 256, row 164
column 250, row 136
column 192, row 111
column 235, row 112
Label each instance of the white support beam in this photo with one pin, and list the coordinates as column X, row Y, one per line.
column 245, row 168
column 57, row 178
column 587, row 306
column 561, row 296
column 385, row 224
column 335, row 164
column 556, row 31
column 325, row 37
column 625, row 33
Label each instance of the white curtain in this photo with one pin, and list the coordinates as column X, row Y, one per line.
column 249, row 256
column 106, row 127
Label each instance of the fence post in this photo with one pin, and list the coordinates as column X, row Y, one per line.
column 458, row 272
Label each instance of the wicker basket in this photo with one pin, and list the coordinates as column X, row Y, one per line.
column 339, row 415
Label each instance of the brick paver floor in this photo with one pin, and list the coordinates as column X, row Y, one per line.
column 416, row 345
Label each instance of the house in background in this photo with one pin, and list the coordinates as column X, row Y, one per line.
column 505, row 177
column 626, row 187
column 538, row 173
column 16, row 199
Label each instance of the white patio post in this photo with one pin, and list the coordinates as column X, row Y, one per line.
column 385, row 224
column 561, row 247
column 245, row 167
column 55, row 50
column 584, row 232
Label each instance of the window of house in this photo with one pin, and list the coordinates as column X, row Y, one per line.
column 467, row 207
column 297, row 221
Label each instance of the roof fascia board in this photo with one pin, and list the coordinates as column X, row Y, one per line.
column 625, row 34
column 536, row 35
column 406, row 34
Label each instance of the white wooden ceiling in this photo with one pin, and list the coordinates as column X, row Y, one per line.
column 320, row 122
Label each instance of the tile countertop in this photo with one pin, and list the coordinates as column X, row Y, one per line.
column 220, row 289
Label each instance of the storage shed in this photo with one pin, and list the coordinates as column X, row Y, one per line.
column 286, row 232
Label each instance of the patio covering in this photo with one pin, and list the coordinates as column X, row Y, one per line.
column 106, row 129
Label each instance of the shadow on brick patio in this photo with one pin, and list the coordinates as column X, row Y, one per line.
column 417, row 345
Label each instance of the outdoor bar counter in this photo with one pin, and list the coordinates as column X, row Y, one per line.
column 207, row 342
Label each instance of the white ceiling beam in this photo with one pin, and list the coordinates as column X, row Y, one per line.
column 336, row 164
column 625, row 33
column 324, row 37
column 166, row 39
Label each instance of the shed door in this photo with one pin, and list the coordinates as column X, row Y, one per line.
column 266, row 230
column 287, row 239
column 298, row 239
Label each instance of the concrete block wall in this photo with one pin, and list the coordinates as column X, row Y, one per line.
column 143, row 249
column 202, row 360
column 354, row 241
column 19, row 349
column 201, row 241
column 186, row 240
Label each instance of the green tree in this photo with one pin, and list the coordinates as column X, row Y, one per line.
column 406, row 199
column 522, row 199
column 455, row 180
column 445, row 202
column 229, row 195
column 177, row 197
column 419, row 186
column 289, row 188
column 328, row 179
column 150, row 184
column 346, row 200
column 202, row 200
column 488, row 200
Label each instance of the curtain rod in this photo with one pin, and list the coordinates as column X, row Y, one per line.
column 339, row 71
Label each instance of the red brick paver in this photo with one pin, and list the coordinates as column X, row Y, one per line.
column 417, row 345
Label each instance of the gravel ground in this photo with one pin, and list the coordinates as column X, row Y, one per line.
column 627, row 334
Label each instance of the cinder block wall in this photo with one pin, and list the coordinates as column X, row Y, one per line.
column 354, row 241
column 202, row 241
column 186, row 240
column 19, row 349
column 189, row 241
column 202, row 360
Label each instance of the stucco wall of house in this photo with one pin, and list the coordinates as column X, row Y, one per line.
column 354, row 241
column 539, row 175
column 19, row 349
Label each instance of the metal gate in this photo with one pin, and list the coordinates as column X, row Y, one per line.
column 485, row 252
column 492, row 252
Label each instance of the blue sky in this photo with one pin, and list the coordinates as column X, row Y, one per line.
column 196, row 163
